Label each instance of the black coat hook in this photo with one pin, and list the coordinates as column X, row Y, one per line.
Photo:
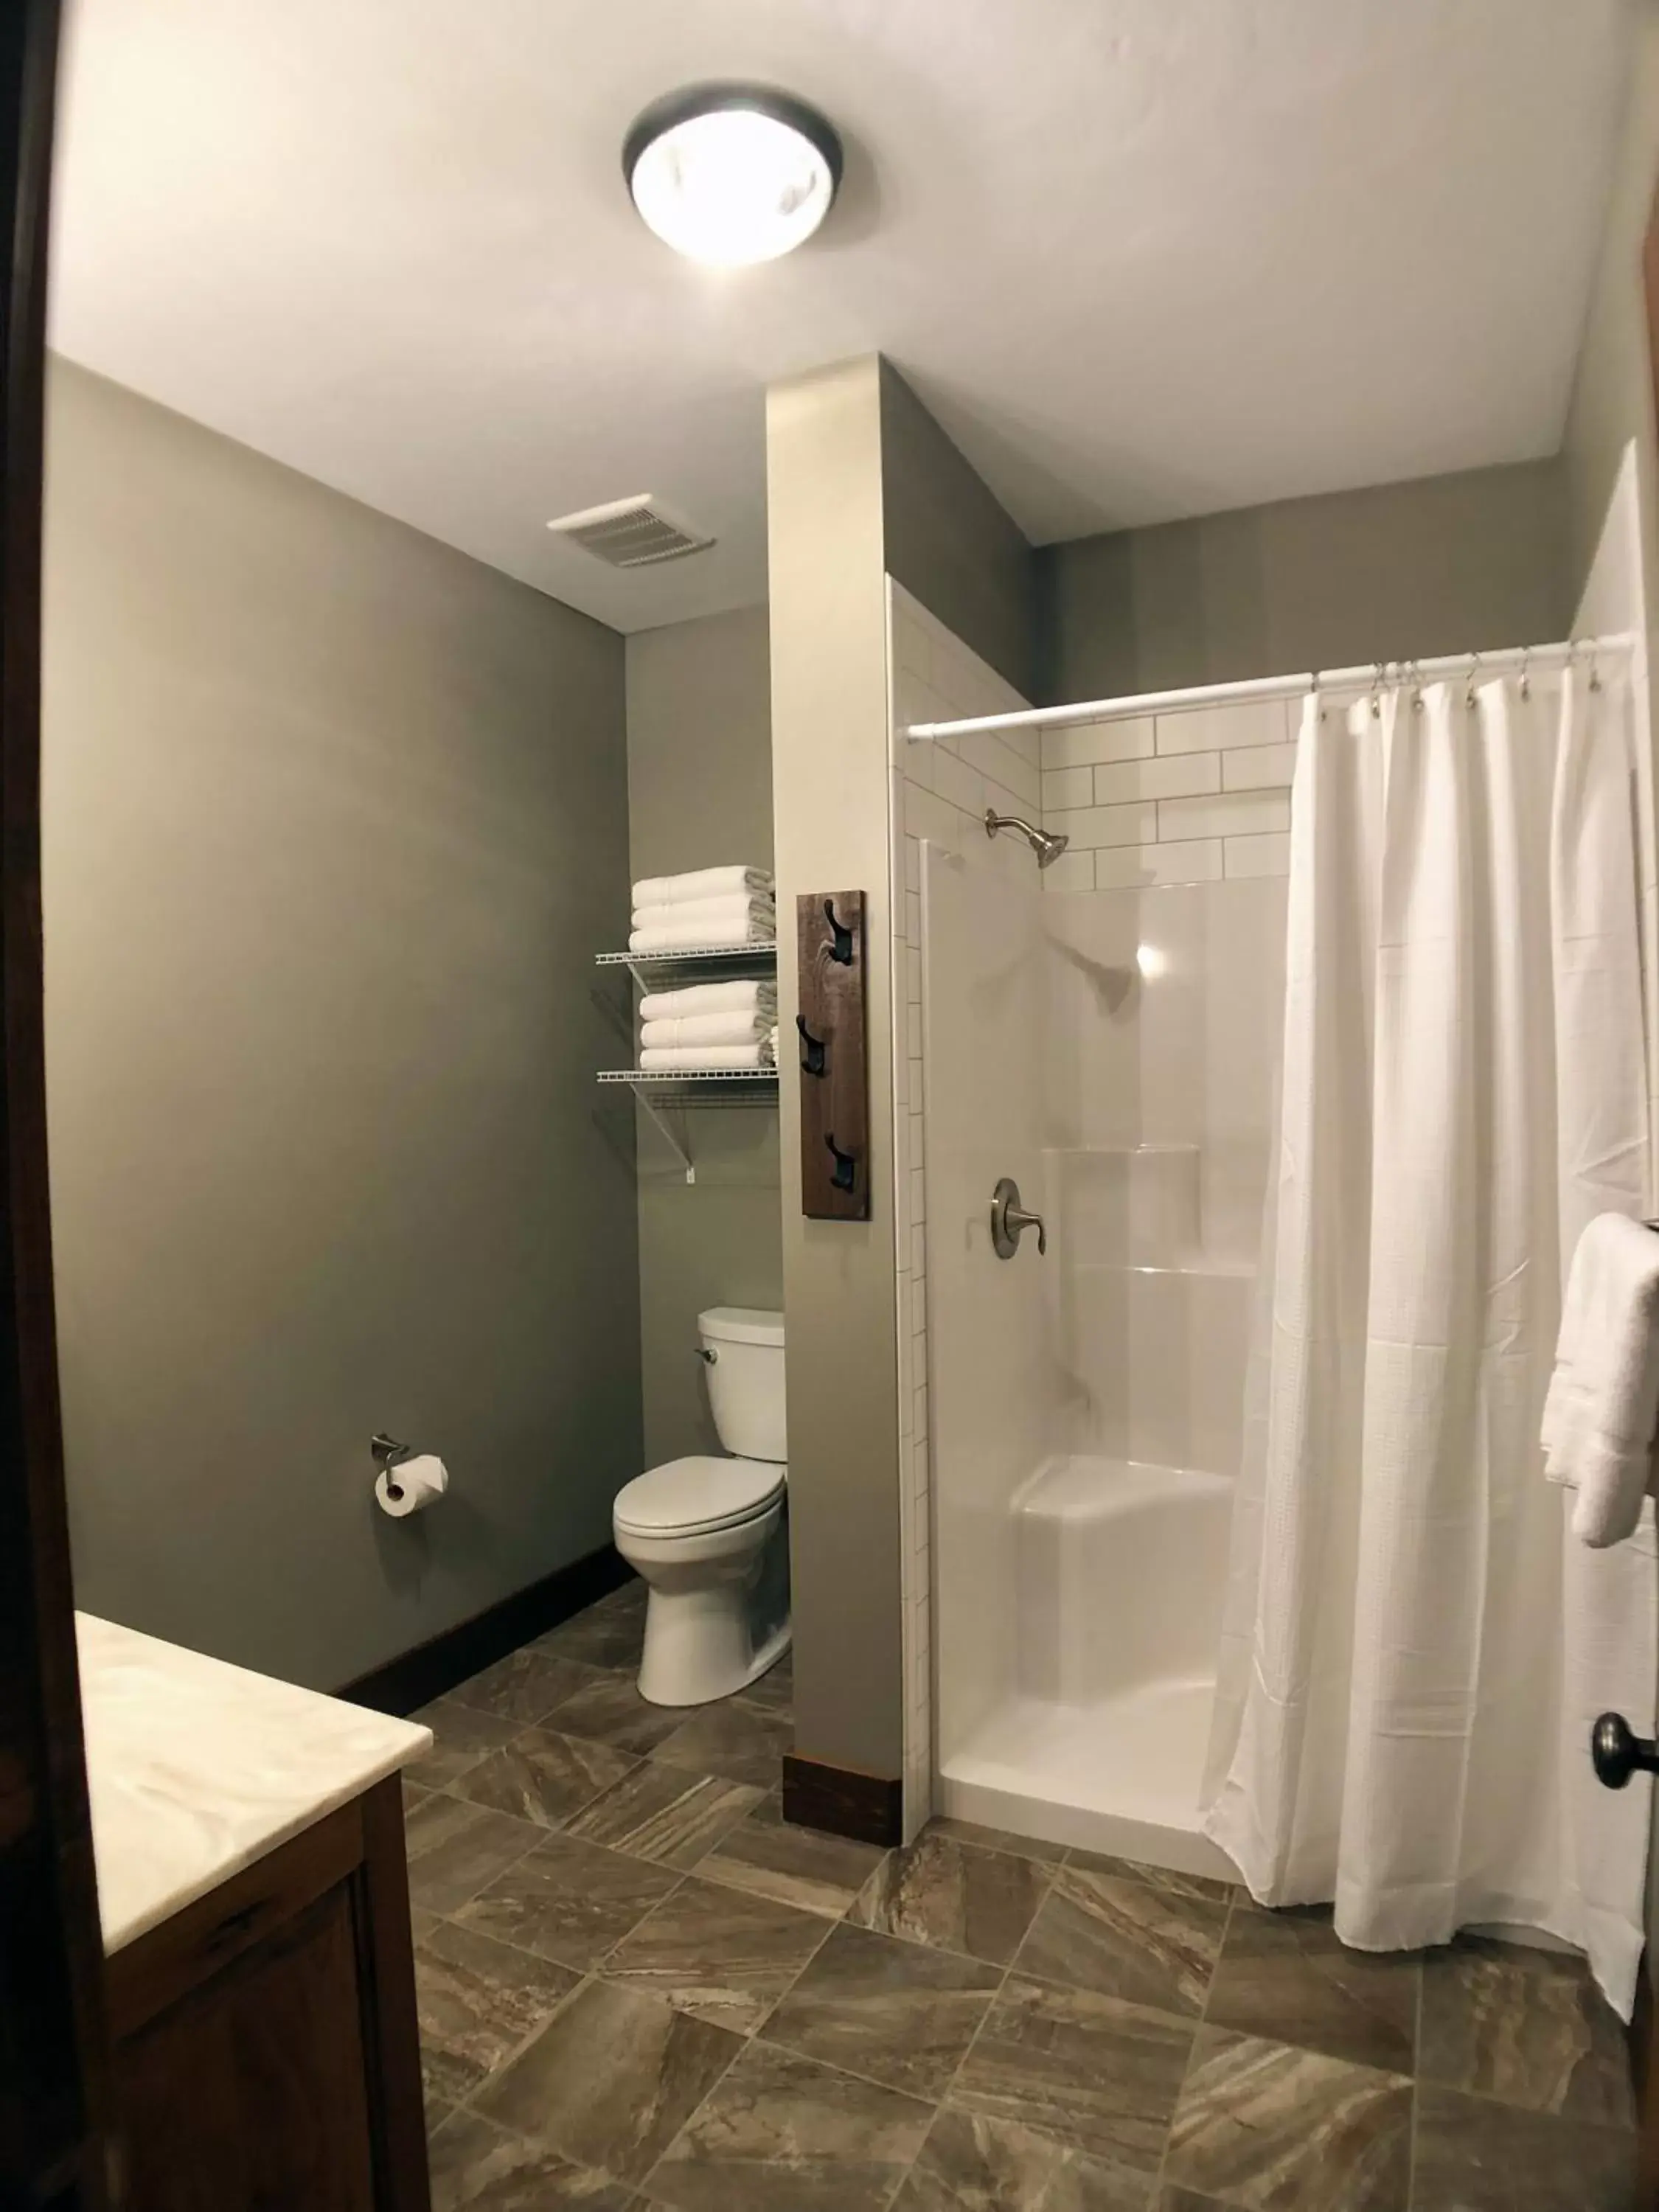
column 812, row 1048
column 842, row 1175
column 841, row 950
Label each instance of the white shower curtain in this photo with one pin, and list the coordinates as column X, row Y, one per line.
column 1414, row 1649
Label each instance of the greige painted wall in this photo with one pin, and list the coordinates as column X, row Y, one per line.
column 855, row 467
column 1443, row 564
column 1613, row 392
column 334, row 820
column 700, row 794
column 830, row 781
column 950, row 542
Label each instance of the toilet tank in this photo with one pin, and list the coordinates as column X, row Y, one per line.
column 743, row 1348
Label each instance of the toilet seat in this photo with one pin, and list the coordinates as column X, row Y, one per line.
column 697, row 1496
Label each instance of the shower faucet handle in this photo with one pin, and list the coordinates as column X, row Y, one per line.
column 1010, row 1220
column 1616, row 1754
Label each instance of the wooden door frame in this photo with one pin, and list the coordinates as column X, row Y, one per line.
column 53, row 2062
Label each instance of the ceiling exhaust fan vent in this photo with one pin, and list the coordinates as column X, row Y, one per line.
column 631, row 533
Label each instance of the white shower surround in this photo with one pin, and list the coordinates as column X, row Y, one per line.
column 1199, row 801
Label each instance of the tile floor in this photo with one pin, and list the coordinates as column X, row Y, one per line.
column 638, row 1987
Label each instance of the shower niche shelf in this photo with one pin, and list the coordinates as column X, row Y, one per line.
column 666, row 1092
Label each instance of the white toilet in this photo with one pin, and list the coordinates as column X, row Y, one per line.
column 709, row 1536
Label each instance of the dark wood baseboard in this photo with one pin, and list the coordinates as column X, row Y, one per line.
column 841, row 1801
column 414, row 1678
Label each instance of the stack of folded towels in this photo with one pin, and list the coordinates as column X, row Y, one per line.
column 707, row 1027
column 711, row 908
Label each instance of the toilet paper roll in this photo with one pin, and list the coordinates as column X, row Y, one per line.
column 411, row 1486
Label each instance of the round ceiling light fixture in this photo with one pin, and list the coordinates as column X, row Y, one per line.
column 732, row 174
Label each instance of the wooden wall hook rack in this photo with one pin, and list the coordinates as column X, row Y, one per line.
column 833, row 974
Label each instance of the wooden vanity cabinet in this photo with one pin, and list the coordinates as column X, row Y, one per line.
column 267, row 2053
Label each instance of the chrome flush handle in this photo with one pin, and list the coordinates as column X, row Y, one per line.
column 1010, row 1220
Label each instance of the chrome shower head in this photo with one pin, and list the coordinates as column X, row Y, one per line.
column 1044, row 843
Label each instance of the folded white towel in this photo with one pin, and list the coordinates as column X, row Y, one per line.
column 706, row 1028
column 712, row 1059
column 1602, row 1407
column 700, row 883
column 716, row 913
column 684, row 937
column 746, row 995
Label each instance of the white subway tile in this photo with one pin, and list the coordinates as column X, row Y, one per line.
column 929, row 816
column 1183, row 776
column 1072, row 872
column 913, row 978
column 1094, row 826
column 1078, row 745
column 1268, row 855
column 955, row 780
column 918, row 1193
column 1068, row 787
column 912, row 910
column 1011, row 767
column 912, row 859
column 1239, row 814
column 1207, row 729
column 917, row 759
column 912, row 1029
column 1196, row 862
column 1258, row 768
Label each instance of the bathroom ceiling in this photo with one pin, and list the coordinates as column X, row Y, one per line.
column 1145, row 259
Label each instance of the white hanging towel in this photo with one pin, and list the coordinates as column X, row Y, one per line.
column 1602, row 1408
column 711, row 1059
column 701, row 884
column 708, row 1029
column 747, row 995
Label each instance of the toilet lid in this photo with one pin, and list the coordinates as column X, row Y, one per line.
column 697, row 1494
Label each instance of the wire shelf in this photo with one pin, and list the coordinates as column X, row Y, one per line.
column 661, row 1090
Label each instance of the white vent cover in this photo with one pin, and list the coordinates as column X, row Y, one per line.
column 630, row 533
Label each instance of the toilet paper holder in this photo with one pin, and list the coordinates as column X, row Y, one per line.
column 388, row 1454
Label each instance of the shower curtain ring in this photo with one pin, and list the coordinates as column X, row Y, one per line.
column 1525, row 673
column 1474, row 671
column 1376, row 690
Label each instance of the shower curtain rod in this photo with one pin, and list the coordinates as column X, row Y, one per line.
column 1509, row 659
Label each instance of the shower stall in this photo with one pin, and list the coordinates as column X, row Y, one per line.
column 1094, row 917
column 1112, row 1052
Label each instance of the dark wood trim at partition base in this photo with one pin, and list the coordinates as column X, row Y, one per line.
column 414, row 1678
column 842, row 1801
column 54, row 2091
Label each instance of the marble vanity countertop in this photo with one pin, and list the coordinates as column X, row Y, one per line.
column 196, row 1768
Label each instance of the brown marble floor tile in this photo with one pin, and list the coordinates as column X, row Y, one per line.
column 436, row 2113
column 971, row 2164
column 666, row 1813
column 1187, row 2200
column 523, row 1686
column 996, row 1839
column 544, row 1777
column 1164, row 1878
column 776, row 1688
column 896, row 2012
column 1126, row 1939
column 455, row 1848
column 569, row 1900
column 745, row 1742
column 765, row 1855
column 1102, row 2076
column 1476, row 2156
column 608, row 1708
column 780, row 2133
column 479, row 2167
column 1527, row 2027
column 606, row 1635
column 718, row 1954
column 1278, row 2129
column 478, row 1999
column 462, row 1735
column 612, row 2079
column 1285, row 1976
column 952, row 1894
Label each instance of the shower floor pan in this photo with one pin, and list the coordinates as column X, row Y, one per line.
column 1120, row 1570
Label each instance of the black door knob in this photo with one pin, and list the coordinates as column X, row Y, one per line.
column 1617, row 1754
